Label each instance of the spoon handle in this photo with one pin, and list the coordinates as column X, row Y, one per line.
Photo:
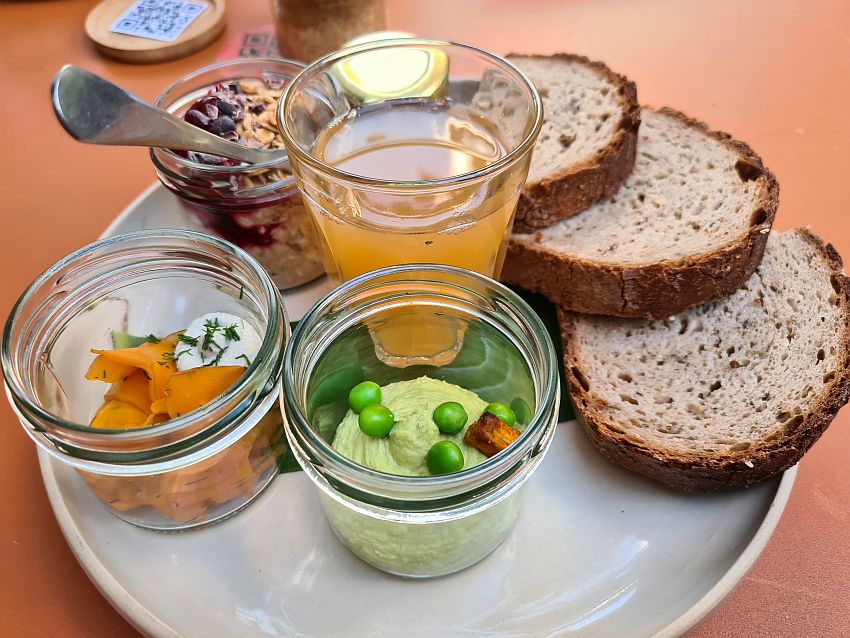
column 96, row 111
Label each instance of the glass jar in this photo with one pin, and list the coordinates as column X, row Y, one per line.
column 189, row 471
column 257, row 207
column 412, row 525
column 308, row 29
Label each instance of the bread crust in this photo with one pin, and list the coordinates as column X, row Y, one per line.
column 705, row 473
column 662, row 289
column 577, row 187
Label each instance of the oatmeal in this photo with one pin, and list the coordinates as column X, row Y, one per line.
column 241, row 111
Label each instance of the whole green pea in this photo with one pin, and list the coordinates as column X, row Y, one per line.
column 501, row 412
column 363, row 395
column 450, row 417
column 376, row 421
column 444, row 457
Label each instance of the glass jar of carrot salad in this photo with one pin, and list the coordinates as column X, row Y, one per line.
column 94, row 356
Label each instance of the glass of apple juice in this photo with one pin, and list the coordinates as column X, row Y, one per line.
column 411, row 151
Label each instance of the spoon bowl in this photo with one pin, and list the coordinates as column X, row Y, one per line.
column 96, row 111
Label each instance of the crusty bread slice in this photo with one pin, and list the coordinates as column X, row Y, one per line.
column 726, row 394
column 688, row 226
column 586, row 147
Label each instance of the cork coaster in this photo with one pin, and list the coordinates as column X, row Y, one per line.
column 129, row 48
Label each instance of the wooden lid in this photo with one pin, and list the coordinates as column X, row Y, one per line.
column 128, row 48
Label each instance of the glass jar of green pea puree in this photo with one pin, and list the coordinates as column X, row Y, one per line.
column 402, row 324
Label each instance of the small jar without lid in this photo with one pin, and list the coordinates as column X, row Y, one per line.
column 187, row 472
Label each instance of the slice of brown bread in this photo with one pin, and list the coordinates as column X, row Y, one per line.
column 688, row 226
column 586, row 147
column 727, row 394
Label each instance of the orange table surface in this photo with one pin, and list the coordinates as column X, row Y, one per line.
column 775, row 73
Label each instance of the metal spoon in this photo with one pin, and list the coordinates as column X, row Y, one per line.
column 96, row 111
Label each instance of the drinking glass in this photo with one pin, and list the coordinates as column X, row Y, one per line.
column 411, row 151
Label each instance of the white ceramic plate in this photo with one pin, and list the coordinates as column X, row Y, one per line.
column 598, row 551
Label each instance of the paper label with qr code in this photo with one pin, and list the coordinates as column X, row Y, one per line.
column 161, row 20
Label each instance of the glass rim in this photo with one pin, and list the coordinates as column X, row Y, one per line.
column 294, row 148
column 208, row 168
column 22, row 397
column 468, row 477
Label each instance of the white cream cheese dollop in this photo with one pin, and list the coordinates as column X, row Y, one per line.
column 217, row 339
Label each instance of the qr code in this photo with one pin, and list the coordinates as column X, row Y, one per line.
column 161, row 20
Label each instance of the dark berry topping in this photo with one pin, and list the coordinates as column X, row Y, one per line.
column 220, row 112
column 225, row 107
column 206, row 158
column 222, row 125
column 196, row 118
column 217, row 113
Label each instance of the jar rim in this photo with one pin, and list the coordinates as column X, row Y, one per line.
column 208, row 168
column 20, row 396
column 546, row 408
column 294, row 148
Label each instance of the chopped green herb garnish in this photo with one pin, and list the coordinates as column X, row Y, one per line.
column 192, row 341
column 210, row 327
column 181, row 353
column 429, row 242
column 167, row 357
column 217, row 358
column 247, row 360
column 241, row 291
column 152, row 338
column 231, row 333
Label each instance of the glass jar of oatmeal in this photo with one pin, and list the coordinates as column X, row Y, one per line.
column 309, row 29
column 257, row 207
